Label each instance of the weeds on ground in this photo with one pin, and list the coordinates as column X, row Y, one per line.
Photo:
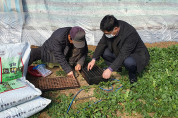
column 60, row 73
column 155, row 92
column 38, row 62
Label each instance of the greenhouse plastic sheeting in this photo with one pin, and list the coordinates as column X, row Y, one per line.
column 155, row 20
column 11, row 5
column 10, row 27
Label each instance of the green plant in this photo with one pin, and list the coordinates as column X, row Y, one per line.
column 38, row 62
column 155, row 92
column 60, row 73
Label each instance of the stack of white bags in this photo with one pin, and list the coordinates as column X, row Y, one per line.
column 18, row 97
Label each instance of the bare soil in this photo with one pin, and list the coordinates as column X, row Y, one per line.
column 87, row 96
column 148, row 45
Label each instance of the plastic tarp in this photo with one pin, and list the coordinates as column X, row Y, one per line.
column 11, row 5
column 155, row 20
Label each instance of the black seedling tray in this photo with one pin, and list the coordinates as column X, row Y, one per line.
column 93, row 76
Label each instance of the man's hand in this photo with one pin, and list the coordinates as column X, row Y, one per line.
column 91, row 64
column 107, row 74
column 70, row 74
column 78, row 67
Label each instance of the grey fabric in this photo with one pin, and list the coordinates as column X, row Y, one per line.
column 78, row 36
column 126, row 43
column 58, row 49
column 78, row 44
column 78, row 56
column 129, row 62
column 56, row 45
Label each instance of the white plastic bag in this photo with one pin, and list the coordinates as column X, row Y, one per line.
column 16, row 92
column 13, row 61
column 27, row 109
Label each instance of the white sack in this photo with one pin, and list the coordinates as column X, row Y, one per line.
column 16, row 92
column 27, row 109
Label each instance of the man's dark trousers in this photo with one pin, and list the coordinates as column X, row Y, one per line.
column 129, row 63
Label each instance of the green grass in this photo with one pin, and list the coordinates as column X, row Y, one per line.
column 60, row 73
column 155, row 92
column 38, row 62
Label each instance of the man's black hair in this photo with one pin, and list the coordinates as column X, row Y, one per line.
column 108, row 23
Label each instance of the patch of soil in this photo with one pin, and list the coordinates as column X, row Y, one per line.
column 148, row 45
column 161, row 44
column 84, row 96
column 125, row 115
column 44, row 115
column 81, row 97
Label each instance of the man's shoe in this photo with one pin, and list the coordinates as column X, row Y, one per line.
column 132, row 77
column 119, row 70
column 133, row 80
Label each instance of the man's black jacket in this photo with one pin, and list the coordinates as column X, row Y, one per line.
column 59, row 46
column 126, row 43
